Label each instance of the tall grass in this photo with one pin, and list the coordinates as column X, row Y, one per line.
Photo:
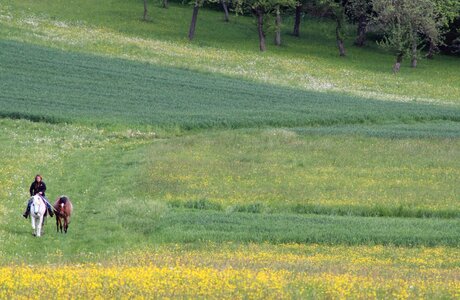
column 194, row 226
column 49, row 85
column 277, row 170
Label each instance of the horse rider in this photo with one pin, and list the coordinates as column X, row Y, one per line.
column 38, row 187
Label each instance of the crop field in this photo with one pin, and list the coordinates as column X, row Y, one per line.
column 123, row 92
column 198, row 177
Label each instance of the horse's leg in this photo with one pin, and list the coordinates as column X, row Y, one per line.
column 66, row 224
column 32, row 220
column 42, row 227
column 57, row 222
column 38, row 227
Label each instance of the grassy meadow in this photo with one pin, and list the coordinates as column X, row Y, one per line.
column 206, row 169
column 116, row 29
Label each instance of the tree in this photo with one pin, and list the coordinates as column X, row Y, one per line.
column 196, row 7
column 336, row 8
column 262, row 10
column 277, row 26
column 447, row 12
column 297, row 17
column 145, row 10
column 225, row 7
column 452, row 45
column 407, row 25
column 360, row 11
column 259, row 13
column 339, row 15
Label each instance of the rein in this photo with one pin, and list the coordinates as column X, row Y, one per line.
column 46, row 202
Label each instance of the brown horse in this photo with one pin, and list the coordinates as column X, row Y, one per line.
column 63, row 209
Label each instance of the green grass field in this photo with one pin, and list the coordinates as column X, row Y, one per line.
column 293, row 160
column 88, row 89
column 115, row 29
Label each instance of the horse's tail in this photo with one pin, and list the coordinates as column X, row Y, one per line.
column 70, row 205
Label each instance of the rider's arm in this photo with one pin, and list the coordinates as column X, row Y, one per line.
column 43, row 189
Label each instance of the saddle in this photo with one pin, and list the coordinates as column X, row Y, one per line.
column 48, row 205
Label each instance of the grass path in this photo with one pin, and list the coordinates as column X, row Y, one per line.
column 116, row 211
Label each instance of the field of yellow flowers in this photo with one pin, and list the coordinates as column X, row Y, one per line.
column 234, row 271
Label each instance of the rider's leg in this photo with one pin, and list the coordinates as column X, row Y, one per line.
column 27, row 212
column 48, row 206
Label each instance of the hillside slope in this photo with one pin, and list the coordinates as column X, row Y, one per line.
column 51, row 85
column 114, row 28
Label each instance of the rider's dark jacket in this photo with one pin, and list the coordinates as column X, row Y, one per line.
column 37, row 187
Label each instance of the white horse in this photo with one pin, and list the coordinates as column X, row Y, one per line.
column 37, row 214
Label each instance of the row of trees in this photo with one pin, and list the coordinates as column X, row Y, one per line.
column 406, row 26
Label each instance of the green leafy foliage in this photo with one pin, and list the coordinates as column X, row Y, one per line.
column 408, row 24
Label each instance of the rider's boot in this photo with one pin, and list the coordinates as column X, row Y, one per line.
column 27, row 212
column 50, row 210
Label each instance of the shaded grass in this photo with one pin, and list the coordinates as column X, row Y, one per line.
column 85, row 89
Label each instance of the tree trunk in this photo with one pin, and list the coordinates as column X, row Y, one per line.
column 362, row 29
column 165, row 3
column 341, row 47
column 338, row 34
column 259, row 13
column 298, row 15
column 431, row 50
column 191, row 32
column 278, row 27
column 339, row 14
column 224, row 5
column 397, row 65
column 145, row 10
column 413, row 62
